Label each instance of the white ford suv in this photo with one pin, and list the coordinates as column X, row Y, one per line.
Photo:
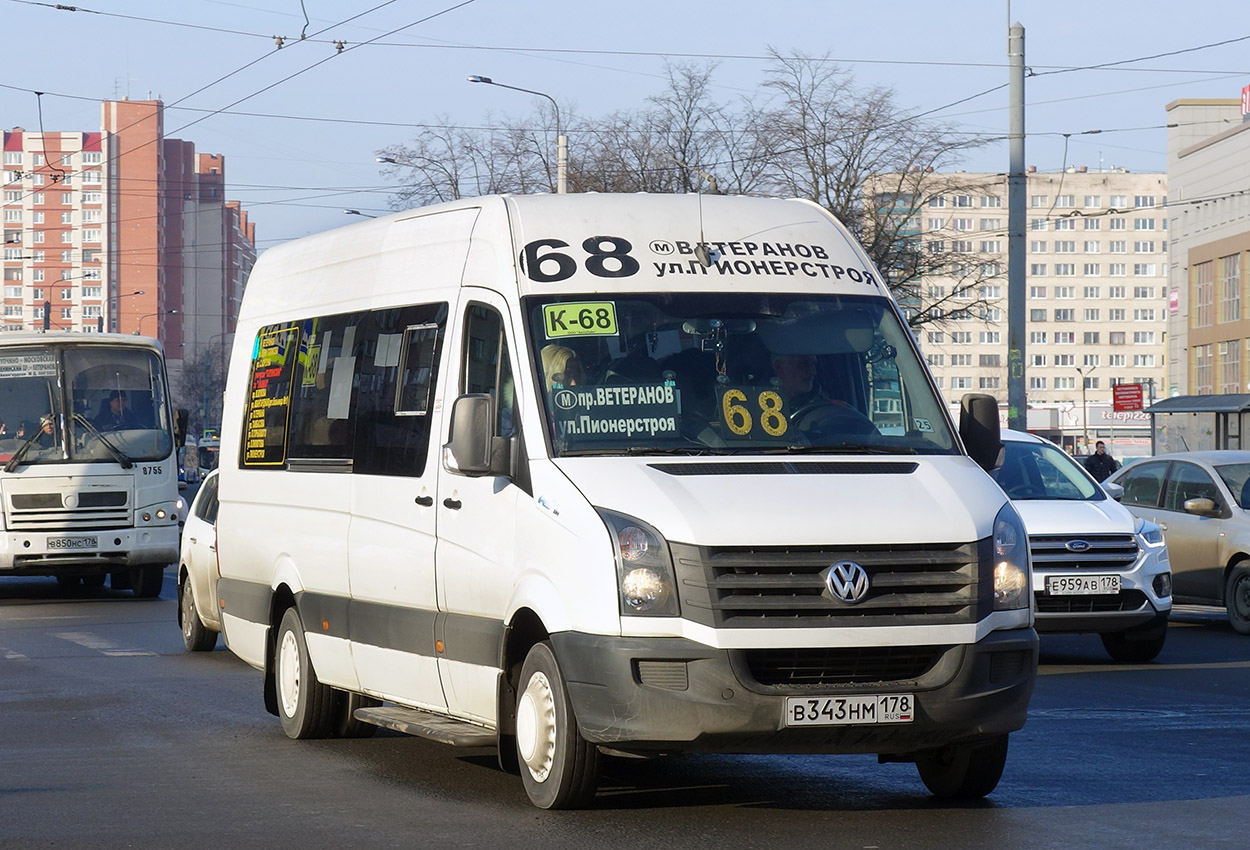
column 1096, row 567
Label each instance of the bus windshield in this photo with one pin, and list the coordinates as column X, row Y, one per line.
column 732, row 373
column 82, row 403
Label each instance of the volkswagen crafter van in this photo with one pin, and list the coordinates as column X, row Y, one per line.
column 578, row 475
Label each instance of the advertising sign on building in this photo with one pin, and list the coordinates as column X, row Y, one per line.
column 1245, row 100
column 1126, row 397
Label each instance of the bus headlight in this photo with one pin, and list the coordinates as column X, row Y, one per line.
column 644, row 568
column 1011, row 561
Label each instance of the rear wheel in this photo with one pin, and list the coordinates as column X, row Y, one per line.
column 559, row 767
column 1237, row 597
column 1135, row 646
column 305, row 706
column 146, row 581
column 963, row 772
column 195, row 635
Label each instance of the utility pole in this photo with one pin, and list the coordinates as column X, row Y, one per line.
column 1017, row 394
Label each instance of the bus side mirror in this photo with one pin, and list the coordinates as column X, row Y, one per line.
column 472, row 448
column 978, row 427
column 181, row 417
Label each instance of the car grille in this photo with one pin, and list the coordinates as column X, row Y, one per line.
column 822, row 667
column 771, row 587
column 45, row 511
column 1125, row 600
column 1105, row 552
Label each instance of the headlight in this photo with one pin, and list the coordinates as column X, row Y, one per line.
column 644, row 568
column 1150, row 534
column 1011, row 561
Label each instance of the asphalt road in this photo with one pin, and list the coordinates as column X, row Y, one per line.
column 112, row 736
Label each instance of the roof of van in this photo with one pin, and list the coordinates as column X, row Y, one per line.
column 72, row 338
column 582, row 243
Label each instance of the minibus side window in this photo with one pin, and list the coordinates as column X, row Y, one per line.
column 487, row 366
column 389, row 438
column 321, row 415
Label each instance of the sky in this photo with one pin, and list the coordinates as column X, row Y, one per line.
column 300, row 124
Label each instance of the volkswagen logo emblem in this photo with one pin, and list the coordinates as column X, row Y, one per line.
column 1077, row 545
column 847, row 581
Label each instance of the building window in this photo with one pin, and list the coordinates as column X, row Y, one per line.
column 1093, row 246
column 936, row 224
column 91, row 157
column 991, row 201
column 1143, row 315
column 1037, row 269
column 1065, row 291
column 991, row 246
column 1065, row 270
column 1144, row 246
column 1065, row 224
column 990, row 360
column 1037, row 292
column 1037, row 337
column 937, row 202
column 1116, row 337
column 990, row 383
column 989, row 292
column 1065, row 359
column 91, row 235
column 1093, row 314
column 1143, row 224
column 961, row 337
column 1118, row 224
column 1118, row 246
column 1037, row 247
column 1065, row 201
column 1148, row 361
column 1038, row 224
column 1115, row 360
column 1065, row 383
column 67, row 312
column 1143, row 337
column 1065, row 337
column 1091, row 337
column 1144, row 269
column 935, row 359
column 1037, row 383
column 1230, row 290
column 1140, row 201
column 1037, row 315
column 936, row 337
column 1092, row 201
column 1118, row 270
column 91, row 177
column 1037, row 360
column 991, row 224
column 91, row 312
column 1116, row 314
column 961, row 383
column 991, row 337
column 1064, row 315
column 1204, row 374
column 962, row 201
column 1065, row 247
column 1093, row 292
column 1091, row 383
column 1093, row 224
column 36, row 275
column 92, row 291
column 1090, row 360
column 1039, row 200
column 1119, row 202
column 961, row 359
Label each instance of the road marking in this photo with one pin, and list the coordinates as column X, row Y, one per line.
column 13, row 655
column 1128, row 668
column 99, row 644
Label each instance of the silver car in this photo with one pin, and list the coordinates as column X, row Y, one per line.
column 197, row 571
column 1201, row 500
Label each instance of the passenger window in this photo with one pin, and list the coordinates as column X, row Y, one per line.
column 321, row 421
column 487, row 365
column 393, row 438
column 1189, row 482
column 1142, row 484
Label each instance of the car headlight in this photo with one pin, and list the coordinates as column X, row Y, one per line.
column 1150, row 536
column 644, row 568
column 1011, row 561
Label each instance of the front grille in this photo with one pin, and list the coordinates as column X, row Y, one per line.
column 822, row 667
column 1125, row 600
column 771, row 587
column 1104, row 552
column 768, row 467
column 46, row 511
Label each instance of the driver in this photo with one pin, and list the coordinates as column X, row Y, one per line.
column 117, row 416
column 796, row 374
column 807, row 406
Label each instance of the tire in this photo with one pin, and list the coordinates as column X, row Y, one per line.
column 120, row 580
column 146, row 581
column 305, row 706
column 1134, row 646
column 195, row 635
column 345, row 705
column 963, row 772
column 559, row 767
column 1237, row 598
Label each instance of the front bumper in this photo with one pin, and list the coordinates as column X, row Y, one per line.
column 94, row 551
column 1137, row 604
column 669, row 695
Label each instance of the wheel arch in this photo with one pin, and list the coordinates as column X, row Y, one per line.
column 522, row 631
column 1237, row 559
column 282, row 599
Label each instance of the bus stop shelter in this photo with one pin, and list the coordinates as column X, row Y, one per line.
column 1187, row 423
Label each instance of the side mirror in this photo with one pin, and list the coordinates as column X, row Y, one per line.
column 978, row 428
column 472, row 448
column 1202, row 507
column 1115, row 491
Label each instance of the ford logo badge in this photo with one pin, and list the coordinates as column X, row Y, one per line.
column 1077, row 545
column 847, row 581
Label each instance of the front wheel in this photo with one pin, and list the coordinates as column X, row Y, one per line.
column 305, row 706
column 559, row 767
column 146, row 581
column 1237, row 597
column 196, row 637
column 965, row 772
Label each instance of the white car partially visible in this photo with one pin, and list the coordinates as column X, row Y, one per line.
column 197, row 571
column 1096, row 567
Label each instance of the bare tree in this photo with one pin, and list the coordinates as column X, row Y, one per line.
column 199, row 387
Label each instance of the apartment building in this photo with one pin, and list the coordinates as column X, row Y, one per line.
column 1209, row 213
column 1097, row 245
column 122, row 229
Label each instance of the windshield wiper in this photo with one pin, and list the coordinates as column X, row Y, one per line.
column 842, row 449
column 21, row 451
column 117, row 453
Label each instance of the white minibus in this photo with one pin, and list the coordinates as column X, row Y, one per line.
column 584, row 476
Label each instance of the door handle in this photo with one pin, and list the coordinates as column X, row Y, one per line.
column 454, row 504
column 425, row 501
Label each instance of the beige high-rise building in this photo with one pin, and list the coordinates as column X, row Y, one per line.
column 1096, row 287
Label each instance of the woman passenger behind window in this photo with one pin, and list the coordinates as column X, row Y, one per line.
column 561, row 367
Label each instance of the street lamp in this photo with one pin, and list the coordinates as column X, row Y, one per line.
column 139, row 327
column 359, row 213
column 562, row 142
column 1084, row 407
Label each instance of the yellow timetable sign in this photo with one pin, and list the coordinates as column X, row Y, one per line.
column 580, row 318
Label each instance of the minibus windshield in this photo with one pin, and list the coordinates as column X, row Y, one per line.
column 731, row 373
